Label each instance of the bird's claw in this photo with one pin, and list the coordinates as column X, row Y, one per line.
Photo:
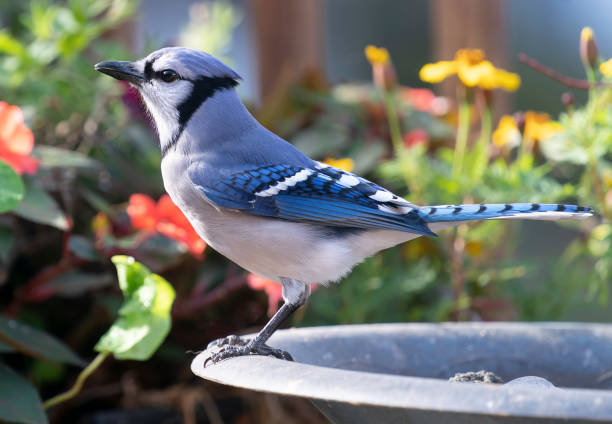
column 234, row 346
column 231, row 340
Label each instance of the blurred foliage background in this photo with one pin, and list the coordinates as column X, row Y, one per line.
column 80, row 184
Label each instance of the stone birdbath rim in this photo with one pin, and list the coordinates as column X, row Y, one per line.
column 324, row 383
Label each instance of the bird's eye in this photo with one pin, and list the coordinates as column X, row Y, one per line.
column 168, row 75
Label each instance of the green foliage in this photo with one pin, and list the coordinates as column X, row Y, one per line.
column 38, row 206
column 19, row 401
column 11, row 189
column 382, row 288
column 35, row 343
column 144, row 318
column 210, row 27
column 583, row 151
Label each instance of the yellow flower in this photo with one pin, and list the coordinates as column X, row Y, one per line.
column 606, row 68
column 346, row 164
column 376, row 55
column 474, row 248
column 607, row 177
column 473, row 71
column 507, row 132
column 382, row 69
column 538, row 126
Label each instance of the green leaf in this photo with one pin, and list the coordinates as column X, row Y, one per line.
column 39, row 207
column 160, row 252
column 19, row 401
column 75, row 283
column 11, row 46
column 55, row 157
column 11, row 188
column 144, row 318
column 6, row 244
column 562, row 148
column 83, row 248
column 35, row 343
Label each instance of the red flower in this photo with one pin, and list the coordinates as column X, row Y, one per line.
column 420, row 98
column 273, row 289
column 415, row 136
column 166, row 218
column 132, row 100
column 16, row 140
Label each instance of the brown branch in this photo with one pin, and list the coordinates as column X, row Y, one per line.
column 34, row 291
column 186, row 308
column 555, row 75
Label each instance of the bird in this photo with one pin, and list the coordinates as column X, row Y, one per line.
column 265, row 205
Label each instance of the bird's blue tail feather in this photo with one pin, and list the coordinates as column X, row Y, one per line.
column 450, row 213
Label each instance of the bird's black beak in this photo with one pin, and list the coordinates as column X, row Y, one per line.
column 120, row 70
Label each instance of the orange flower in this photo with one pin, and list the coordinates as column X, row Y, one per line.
column 16, row 140
column 538, row 126
column 166, row 218
column 273, row 289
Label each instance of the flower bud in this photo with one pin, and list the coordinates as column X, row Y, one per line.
column 567, row 99
column 519, row 119
column 383, row 72
column 588, row 48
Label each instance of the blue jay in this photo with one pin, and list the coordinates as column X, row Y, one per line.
column 262, row 203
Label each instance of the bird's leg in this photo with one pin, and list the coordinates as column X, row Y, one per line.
column 295, row 294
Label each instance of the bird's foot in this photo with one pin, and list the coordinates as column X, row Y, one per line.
column 231, row 340
column 234, row 346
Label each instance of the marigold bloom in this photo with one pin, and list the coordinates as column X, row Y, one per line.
column 346, row 164
column 383, row 72
column 475, row 248
column 166, row 218
column 377, row 55
column 538, row 126
column 473, row 71
column 606, row 68
column 16, row 140
column 589, row 53
column 507, row 132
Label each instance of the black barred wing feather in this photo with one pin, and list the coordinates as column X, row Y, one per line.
column 321, row 195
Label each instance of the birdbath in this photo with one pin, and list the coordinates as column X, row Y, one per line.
column 399, row 373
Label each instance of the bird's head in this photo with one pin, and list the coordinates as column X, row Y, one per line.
column 174, row 82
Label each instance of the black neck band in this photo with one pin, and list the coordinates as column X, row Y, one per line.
column 203, row 89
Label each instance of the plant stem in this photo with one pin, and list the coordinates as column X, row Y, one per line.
column 395, row 131
column 78, row 385
column 484, row 142
column 557, row 76
column 463, row 132
column 394, row 125
column 486, row 127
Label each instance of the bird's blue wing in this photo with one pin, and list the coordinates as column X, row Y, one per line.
column 320, row 194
